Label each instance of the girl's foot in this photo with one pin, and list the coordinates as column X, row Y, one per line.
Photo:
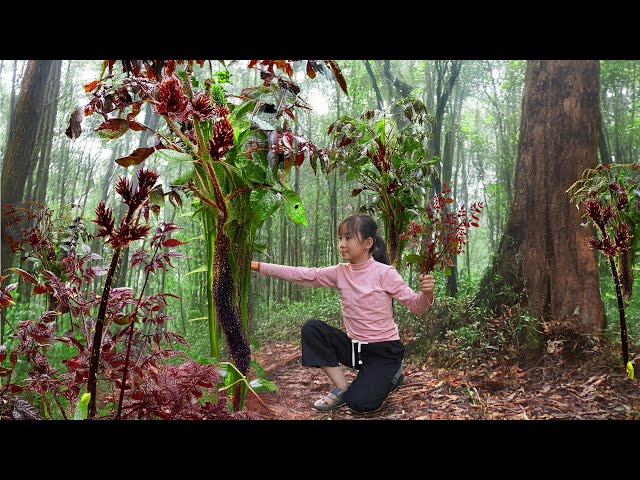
column 330, row 401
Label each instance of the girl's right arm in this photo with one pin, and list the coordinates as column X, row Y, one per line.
column 307, row 276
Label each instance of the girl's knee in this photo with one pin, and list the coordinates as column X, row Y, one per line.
column 310, row 325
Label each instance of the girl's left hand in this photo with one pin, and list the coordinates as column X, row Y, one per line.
column 427, row 283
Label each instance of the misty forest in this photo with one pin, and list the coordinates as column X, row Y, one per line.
column 137, row 193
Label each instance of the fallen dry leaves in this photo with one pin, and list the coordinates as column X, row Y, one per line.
column 590, row 390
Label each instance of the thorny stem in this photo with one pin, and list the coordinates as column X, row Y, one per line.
column 623, row 323
column 97, row 335
column 99, row 327
column 133, row 316
column 182, row 136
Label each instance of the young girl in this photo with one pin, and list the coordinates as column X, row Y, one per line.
column 371, row 343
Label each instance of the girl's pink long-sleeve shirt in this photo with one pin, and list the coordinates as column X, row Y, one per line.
column 365, row 289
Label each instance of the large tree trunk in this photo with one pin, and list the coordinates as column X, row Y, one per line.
column 543, row 255
column 21, row 141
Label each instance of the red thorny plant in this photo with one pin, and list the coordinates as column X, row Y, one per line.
column 439, row 235
column 133, row 375
column 605, row 193
column 239, row 148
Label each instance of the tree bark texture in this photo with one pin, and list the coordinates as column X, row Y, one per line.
column 543, row 256
column 21, row 141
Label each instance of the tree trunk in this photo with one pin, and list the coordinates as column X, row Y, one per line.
column 443, row 92
column 603, row 144
column 12, row 102
column 50, row 114
column 374, row 83
column 21, row 142
column 543, row 255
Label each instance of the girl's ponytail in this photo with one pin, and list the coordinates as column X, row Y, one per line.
column 380, row 250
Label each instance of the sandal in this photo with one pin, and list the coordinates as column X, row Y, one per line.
column 330, row 401
column 398, row 379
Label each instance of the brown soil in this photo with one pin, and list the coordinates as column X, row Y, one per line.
column 555, row 389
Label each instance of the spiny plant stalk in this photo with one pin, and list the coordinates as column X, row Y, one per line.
column 608, row 194
column 99, row 327
column 601, row 215
column 128, row 231
column 130, row 337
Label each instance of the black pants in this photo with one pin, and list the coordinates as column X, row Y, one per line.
column 377, row 363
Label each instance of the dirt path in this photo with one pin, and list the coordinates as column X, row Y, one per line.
column 551, row 391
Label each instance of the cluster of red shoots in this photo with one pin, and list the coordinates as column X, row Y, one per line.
column 439, row 235
column 601, row 214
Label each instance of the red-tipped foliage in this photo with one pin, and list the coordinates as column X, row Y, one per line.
column 201, row 106
column 104, row 219
column 221, row 138
column 438, row 236
column 170, row 97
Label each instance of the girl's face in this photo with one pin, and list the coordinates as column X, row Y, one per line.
column 352, row 249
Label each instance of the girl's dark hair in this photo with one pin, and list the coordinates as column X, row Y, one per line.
column 363, row 227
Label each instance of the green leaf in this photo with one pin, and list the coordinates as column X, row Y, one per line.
column 184, row 178
column 294, row 208
column 447, row 271
column 203, row 268
column 412, row 258
column 263, row 204
column 260, row 384
column 157, row 197
column 82, row 409
column 172, row 155
column 242, row 109
column 259, row 247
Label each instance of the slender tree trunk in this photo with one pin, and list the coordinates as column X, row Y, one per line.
column 543, row 256
column 21, row 142
column 374, row 83
column 51, row 110
column 316, row 224
column 603, row 144
column 12, row 102
column 443, row 92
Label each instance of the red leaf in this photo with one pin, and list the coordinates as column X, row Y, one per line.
column 49, row 316
column 136, row 126
column 172, row 242
column 26, row 275
column 13, row 358
column 311, row 73
column 338, row 74
column 4, row 371
column 3, row 353
column 474, row 224
column 91, row 86
column 448, row 200
column 113, row 128
column 13, row 388
column 38, row 289
column 136, row 157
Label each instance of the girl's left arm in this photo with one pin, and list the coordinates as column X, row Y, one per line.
column 417, row 303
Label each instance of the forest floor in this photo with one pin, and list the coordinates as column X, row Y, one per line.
column 551, row 389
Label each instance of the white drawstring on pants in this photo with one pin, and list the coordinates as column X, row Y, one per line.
column 353, row 351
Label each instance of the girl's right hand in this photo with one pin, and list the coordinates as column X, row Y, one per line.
column 427, row 283
column 255, row 266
